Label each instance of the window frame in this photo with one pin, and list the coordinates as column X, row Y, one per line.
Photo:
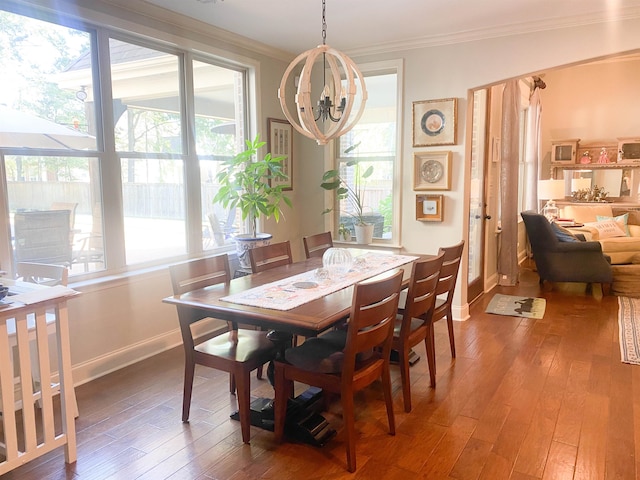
column 110, row 160
column 333, row 160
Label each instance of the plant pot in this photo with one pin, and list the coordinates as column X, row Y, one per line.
column 345, row 236
column 246, row 242
column 364, row 234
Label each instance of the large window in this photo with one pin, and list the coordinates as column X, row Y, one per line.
column 373, row 143
column 118, row 155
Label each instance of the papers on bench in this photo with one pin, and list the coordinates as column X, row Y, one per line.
column 42, row 294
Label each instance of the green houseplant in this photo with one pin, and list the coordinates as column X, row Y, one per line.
column 353, row 194
column 246, row 183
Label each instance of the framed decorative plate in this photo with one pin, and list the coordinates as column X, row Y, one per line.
column 434, row 122
column 432, row 171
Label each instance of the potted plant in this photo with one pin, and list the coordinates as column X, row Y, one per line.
column 245, row 184
column 354, row 195
column 344, row 234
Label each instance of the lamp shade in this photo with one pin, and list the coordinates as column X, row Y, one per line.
column 550, row 189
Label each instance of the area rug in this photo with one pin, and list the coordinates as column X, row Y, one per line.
column 629, row 323
column 514, row 306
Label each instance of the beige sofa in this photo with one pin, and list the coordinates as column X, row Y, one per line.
column 620, row 240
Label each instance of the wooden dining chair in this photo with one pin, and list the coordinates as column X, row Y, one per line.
column 346, row 361
column 270, row 256
column 316, row 245
column 413, row 323
column 238, row 351
column 444, row 299
column 264, row 258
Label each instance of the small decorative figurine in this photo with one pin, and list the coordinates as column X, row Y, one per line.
column 604, row 156
column 586, row 158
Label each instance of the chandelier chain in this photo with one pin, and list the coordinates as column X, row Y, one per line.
column 324, row 24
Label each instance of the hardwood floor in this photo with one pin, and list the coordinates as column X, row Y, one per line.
column 524, row 399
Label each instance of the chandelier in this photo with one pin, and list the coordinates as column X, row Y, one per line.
column 334, row 113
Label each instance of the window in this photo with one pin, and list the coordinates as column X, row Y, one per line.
column 374, row 142
column 120, row 160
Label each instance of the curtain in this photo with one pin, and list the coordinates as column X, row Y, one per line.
column 532, row 151
column 509, row 171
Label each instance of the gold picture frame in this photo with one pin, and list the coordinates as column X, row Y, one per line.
column 281, row 143
column 432, row 171
column 434, row 122
column 429, row 208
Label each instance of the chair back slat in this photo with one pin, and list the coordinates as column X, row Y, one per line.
column 450, row 269
column 421, row 294
column 270, row 256
column 200, row 273
column 316, row 245
column 372, row 318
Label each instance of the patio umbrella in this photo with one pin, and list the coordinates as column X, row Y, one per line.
column 24, row 130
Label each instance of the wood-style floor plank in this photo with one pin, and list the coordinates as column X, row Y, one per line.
column 525, row 399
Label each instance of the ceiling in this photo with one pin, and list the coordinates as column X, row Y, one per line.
column 372, row 26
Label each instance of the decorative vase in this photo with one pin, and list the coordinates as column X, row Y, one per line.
column 246, row 242
column 364, row 234
column 337, row 262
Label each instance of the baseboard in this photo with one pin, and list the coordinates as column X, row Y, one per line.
column 461, row 312
column 99, row 366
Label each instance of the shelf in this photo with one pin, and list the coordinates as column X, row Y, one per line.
column 595, row 166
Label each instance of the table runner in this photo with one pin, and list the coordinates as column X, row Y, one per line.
column 294, row 291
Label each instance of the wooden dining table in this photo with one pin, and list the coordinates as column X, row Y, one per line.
column 308, row 320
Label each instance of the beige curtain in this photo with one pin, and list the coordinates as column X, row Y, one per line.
column 509, row 171
column 532, row 151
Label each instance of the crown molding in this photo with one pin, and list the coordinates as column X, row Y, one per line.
column 523, row 28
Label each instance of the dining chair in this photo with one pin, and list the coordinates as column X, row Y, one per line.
column 444, row 298
column 346, row 361
column 316, row 245
column 264, row 258
column 270, row 256
column 413, row 322
column 238, row 351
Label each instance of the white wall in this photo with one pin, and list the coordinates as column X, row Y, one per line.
column 124, row 320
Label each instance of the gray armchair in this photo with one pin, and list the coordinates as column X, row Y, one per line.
column 565, row 261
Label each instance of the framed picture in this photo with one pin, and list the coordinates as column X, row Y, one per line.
column 432, row 171
column 434, row 122
column 281, row 143
column 429, row 208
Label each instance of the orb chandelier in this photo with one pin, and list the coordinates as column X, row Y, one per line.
column 334, row 114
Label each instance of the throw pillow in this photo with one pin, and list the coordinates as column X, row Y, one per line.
column 622, row 220
column 607, row 229
column 562, row 234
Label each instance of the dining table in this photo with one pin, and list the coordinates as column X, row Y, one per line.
column 303, row 298
column 290, row 298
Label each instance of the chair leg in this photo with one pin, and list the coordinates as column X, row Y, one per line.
column 452, row 341
column 243, row 396
column 232, row 384
column 259, row 373
column 406, row 380
column 348, row 414
column 388, row 398
column 430, row 345
column 189, row 372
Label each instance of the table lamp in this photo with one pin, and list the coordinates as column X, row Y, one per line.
column 550, row 190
